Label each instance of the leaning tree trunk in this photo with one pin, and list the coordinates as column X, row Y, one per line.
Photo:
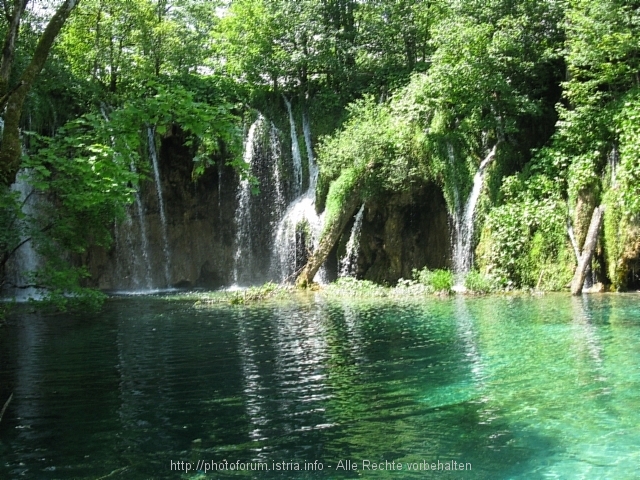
column 330, row 236
column 587, row 251
column 11, row 149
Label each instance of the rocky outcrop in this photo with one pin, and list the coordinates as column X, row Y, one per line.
column 399, row 233
column 406, row 231
column 200, row 217
column 630, row 261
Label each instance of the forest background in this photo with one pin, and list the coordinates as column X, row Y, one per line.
column 399, row 92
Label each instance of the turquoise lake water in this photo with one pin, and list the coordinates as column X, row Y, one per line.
column 508, row 387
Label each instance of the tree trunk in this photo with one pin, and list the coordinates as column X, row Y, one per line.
column 9, row 47
column 329, row 238
column 11, row 149
column 587, row 250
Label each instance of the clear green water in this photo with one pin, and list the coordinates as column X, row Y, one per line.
column 517, row 387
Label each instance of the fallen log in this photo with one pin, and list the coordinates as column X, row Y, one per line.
column 587, row 250
column 328, row 240
column 6, row 405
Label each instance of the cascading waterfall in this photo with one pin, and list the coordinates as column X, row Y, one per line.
column 313, row 168
column 277, row 176
column 463, row 224
column 25, row 259
column 295, row 151
column 349, row 263
column 133, row 257
column 271, row 237
column 243, row 254
column 300, row 228
column 163, row 218
column 258, row 215
column 298, row 231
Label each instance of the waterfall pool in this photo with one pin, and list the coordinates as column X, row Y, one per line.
column 489, row 388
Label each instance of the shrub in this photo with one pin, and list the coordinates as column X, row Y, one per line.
column 435, row 280
column 349, row 286
column 476, row 282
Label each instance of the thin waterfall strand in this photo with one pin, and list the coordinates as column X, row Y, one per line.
column 163, row 218
column 313, row 169
column 463, row 247
column 25, row 259
column 349, row 263
column 242, row 256
column 277, row 177
column 295, row 151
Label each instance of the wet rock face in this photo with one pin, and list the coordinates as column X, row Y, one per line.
column 631, row 258
column 200, row 229
column 404, row 232
column 399, row 233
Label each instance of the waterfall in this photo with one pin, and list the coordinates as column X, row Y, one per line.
column 144, row 238
column 163, row 218
column 133, row 261
column 135, row 265
column 298, row 231
column 463, row 224
column 313, row 169
column 277, row 176
column 349, row 263
column 272, row 237
column 300, row 228
column 133, row 258
column 25, row 260
column 243, row 254
column 295, row 151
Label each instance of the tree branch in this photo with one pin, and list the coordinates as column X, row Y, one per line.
column 9, row 47
column 11, row 149
column 587, row 251
column 6, row 405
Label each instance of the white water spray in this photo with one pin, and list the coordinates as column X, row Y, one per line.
column 25, row 259
column 463, row 224
column 243, row 251
column 349, row 263
column 295, row 151
column 300, row 228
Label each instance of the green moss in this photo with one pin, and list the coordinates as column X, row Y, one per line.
column 524, row 242
column 615, row 236
column 351, row 287
column 339, row 192
column 268, row 291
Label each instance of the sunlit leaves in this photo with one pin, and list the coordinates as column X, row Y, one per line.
column 628, row 174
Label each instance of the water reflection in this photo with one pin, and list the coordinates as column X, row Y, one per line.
column 518, row 387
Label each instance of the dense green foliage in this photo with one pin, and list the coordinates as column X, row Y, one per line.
column 490, row 81
column 400, row 93
column 124, row 71
column 438, row 281
column 591, row 157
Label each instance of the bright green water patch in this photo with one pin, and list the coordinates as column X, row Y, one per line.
column 515, row 387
